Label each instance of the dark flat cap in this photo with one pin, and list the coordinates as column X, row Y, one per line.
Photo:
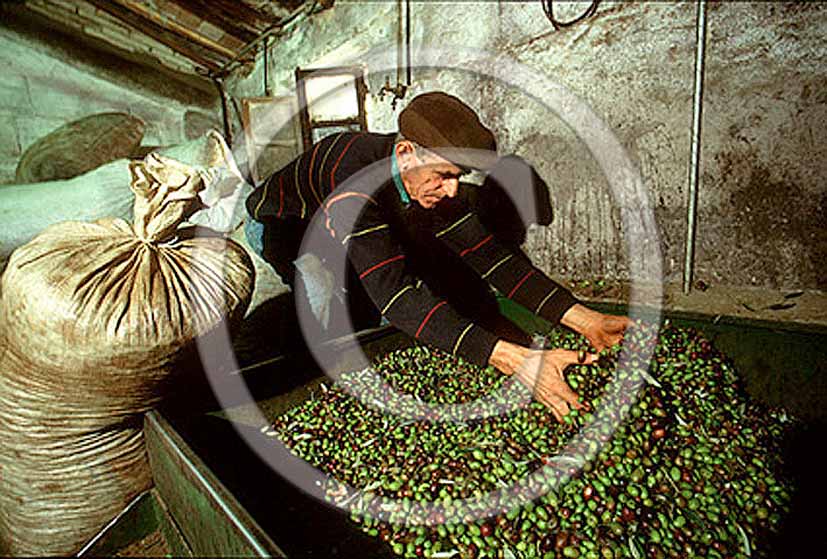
column 450, row 128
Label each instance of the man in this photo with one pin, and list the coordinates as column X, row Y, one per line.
column 420, row 252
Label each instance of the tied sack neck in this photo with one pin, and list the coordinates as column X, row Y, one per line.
column 165, row 193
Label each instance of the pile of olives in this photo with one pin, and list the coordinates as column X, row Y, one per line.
column 668, row 458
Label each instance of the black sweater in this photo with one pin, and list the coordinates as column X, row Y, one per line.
column 344, row 183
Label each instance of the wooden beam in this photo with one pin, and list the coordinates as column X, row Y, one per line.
column 123, row 55
column 142, row 9
column 160, row 33
column 238, row 19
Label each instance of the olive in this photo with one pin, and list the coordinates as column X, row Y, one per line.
column 674, row 476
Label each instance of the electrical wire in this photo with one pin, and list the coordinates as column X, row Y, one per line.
column 266, row 64
column 548, row 8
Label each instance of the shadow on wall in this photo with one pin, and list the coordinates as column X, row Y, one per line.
column 770, row 231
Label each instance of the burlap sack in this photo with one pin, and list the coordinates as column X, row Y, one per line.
column 94, row 318
column 27, row 209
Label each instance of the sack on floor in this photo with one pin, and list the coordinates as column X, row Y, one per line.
column 95, row 318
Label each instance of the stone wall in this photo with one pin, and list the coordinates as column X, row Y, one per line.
column 50, row 79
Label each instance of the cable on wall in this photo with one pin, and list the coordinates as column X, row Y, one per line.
column 548, row 8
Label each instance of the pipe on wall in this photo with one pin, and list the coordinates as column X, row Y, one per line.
column 408, row 42
column 694, row 166
column 403, row 47
column 399, row 40
column 266, row 62
column 403, row 42
column 225, row 111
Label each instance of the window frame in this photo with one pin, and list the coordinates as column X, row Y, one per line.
column 307, row 126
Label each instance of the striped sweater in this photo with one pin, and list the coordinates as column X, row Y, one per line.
column 344, row 184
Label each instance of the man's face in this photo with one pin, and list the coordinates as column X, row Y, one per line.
column 427, row 177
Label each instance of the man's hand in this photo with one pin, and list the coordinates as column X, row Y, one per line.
column 602, row 330
column 541, row 371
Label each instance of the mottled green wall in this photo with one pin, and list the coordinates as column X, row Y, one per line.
column 49, row 80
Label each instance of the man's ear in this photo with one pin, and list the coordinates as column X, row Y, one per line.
column 405, row 152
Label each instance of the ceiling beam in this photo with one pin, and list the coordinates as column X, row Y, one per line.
column 236, row 18
column 204, row 57
column 136, row 70
column 107, row 32
column 144, row 10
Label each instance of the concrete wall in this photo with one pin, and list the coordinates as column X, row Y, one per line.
column 49, row 80
column 762, row 197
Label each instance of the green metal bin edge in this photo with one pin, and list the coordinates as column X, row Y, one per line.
column 210, row 518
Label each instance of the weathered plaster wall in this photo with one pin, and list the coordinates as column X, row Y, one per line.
column 49, row 80
column 609, row 62
column 335, row 36
column 762, row 196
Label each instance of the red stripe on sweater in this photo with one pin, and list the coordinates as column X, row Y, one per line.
column 281, row 195
column 339, row 160
column 521, row 282
column 310, row 174
column 427, row 318
column 478, row 245
column 383, row 263
column 345, row 195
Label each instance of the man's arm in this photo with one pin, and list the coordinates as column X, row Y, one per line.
column 511, row 272
column 410, row 306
